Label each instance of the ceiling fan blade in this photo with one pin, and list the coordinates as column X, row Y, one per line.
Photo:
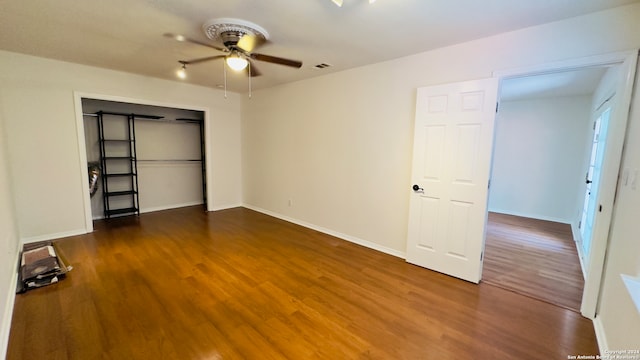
column 254, row 70
column 250, row 42
column 197, row 61
column 183, row 38
column 277, row 60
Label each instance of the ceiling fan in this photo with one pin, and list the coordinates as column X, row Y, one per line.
column 239, row 39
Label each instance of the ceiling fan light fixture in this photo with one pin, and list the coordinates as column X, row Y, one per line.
column 182, row 72
column 236, row 62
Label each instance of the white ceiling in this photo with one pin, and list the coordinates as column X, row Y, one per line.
column 126, row 35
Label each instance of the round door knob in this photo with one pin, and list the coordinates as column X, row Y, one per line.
column 416, row 188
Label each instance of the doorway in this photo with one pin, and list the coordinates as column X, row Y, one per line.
column 541, row 145
column 159, row 166
column 163, row 130
column 433, row 105
column 621, row 84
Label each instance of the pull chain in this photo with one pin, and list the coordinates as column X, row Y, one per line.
column 224, row 71
column 249, row 64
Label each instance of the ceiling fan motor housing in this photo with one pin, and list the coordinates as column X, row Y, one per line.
column 229, row 31
column 230, row 38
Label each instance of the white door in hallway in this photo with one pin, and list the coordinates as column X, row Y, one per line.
column 450, row 176
column 592, row 178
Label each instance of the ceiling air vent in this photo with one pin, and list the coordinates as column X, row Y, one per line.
column 322, row 66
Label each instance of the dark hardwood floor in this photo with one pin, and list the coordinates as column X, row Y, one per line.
column 535, row 258
column 234, row 284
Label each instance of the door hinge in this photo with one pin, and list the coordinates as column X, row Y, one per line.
column 580, row 224
column 481, row 254
column 497, row 107
column 600, row 208
column 594, row 125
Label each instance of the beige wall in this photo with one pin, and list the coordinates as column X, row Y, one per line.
column 339, row 146
column 37, row 96
column 537, row 161
column 8, row 242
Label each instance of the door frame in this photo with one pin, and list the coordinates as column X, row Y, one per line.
column 613, row 156
column 82, row 146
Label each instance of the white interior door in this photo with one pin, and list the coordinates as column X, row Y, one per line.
column 451, row 165
column 592, row 178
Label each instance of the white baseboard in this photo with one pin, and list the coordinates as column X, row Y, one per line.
column 353, row 239
column 7, row 315
column 54, row 236
column 577, row 237
column 169, row 207
column 531, row 216
column 575, row 231
column 600, row 335
column 224, row 207
column 158, row 208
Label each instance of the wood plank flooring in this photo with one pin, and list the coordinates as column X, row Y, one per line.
column 535, row 258
column 236, row 284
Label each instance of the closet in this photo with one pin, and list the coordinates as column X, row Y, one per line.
column 149, row 158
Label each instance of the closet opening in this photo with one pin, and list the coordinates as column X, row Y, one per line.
column 143, row 158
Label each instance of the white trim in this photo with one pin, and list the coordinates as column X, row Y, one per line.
column 84, row 171
column 208, row 156
column 531, row 216
column 577, row 238
column 601, row 337
column 5, row 327
column 169, row 207
column 54, row 236
column 78, row 96
column 607, row 191
column 224, row 207
column 566, row 65
column 575, row 232
column 349, row 238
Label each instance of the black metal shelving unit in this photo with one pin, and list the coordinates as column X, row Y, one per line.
column 123, row 199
